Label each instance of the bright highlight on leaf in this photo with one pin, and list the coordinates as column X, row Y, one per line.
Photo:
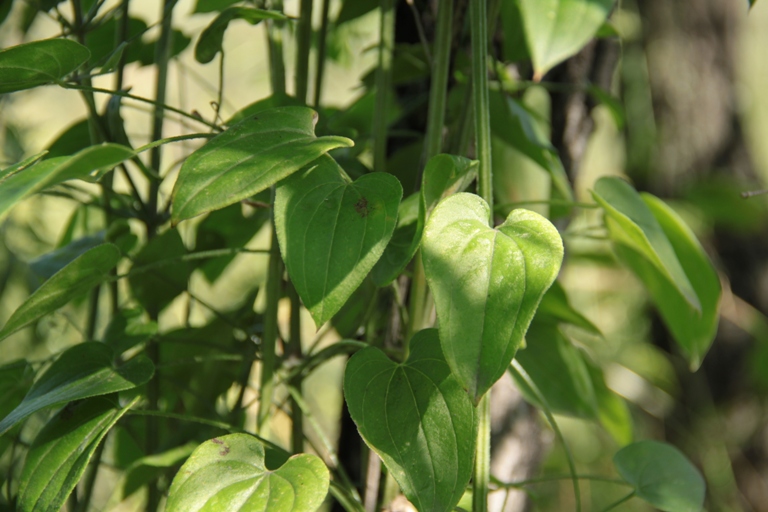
column 661, row 476
column 39, row 63
column 417, row 418
column 487, row 283
column 228, row 474
column 332, row 231
column 249, row 157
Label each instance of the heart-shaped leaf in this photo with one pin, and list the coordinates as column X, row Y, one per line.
column 212, row 37
column 487, row 283
column 557, row 29
column 82, row 371
column 61, row 451
column 17, row 185
column 332, row 231
column 228, row 474
column 417, row 418
column 249, row 157
column 662, row 476
column 77, row 277
column 38, row 63
column 444, row 175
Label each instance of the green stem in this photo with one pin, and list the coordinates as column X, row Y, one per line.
column 295, row 352
column 479, row 32
column 344, row 498
column 275, row 44
column 303, row 43
column 269, row 340
column 482, row 472
column 439, row 81
column 383, row 83
column 619, row 501
column 321, row 50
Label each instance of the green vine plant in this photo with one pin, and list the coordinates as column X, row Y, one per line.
column 435, row 292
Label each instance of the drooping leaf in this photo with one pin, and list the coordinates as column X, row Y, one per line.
column 38, row 63
column 662, row 476
column 228, row 473
column 84, row 165
column 417, row 418
column 82, row 371
column 353, row 9
column 48, row 264
column 76, row 278
column 332, row 231
column 15, row 380
column 247, row 158
column 693, row 330
column 557, row 29
column 212, row 37
column 202, row 6
column 555, row 306
column 487, row 283
column 632, row 224
column 60, row 453
column 20, row 166
column 515, row 48
column 559, row 371
column 72, row 139
column 444, row 175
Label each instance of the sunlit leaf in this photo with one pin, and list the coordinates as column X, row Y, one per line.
column 38, row 63
column 487, row 283
column 662, row 476
column 76, row 278
column 84, row 165
column 228, row 473
column 332, row 231
column 212, row 37
column 60, row 453
column 82, row 371
column 248, row 158
column 417, row 418
column 557, row 29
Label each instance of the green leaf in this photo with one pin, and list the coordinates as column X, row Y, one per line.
column 202, row 6
column 79, row 276
column 15, row 380
column 559, row 371
column 247, row 158
column 612, row 410
column 443, row 176
column 487, row 283
column 631, row 223
column 353, row 9
column 128, row 328
column 61, row 451
column 752, row 3
column 693, row 330
column 332, row 231
column 39, row 63
column 82, row 371
column 662, row 476
column 555, row 306
column 48, row 264
column 417, row 418
column 84, row 165
column 228, row 473
column 557, row 29
column 212, row 37
column 20, row 166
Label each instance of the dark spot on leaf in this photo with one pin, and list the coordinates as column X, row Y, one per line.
column 361, row 207
column 217, row 440
column 224, row 452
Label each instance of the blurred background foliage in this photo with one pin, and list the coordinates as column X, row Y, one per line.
column 682, row 111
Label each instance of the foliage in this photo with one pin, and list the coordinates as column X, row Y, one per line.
column 348, row 237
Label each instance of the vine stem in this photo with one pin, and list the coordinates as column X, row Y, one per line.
column 295, row 351
column 383, row 82
column 479, row 35
column 321, row 51
column 303, row 42
column 275, row 43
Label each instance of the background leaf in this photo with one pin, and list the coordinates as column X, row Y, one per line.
column 212, row 37
column 487, row 283
column 83, row 273
column 82, row 371
column 38, row 63
column 332, row 231
column 249, row 157
column 416, row 416
column 662, row 476
column 229, row 473
column 61, row 451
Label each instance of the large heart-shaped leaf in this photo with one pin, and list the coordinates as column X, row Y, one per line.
column 17, row 185
column 417, row 418
column 61, row 451
column 332, row 231
column 487, row 283
column 82, row 371
column 38, row 63
column 662, row 476
column 249, row 157
column 228, row 474
column 557, row 29
column 212, row 37
column 80, row 275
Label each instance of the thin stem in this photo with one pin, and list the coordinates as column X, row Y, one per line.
column 344, row 498
column 554, row 478
column 439, row 81
column 383, row 83
column 619, row 501
column 372, row 479
column 303, row 42
column 482, row 471
column 295, row 352
column 321, row 50
column 479, row 32
column 275, row 43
